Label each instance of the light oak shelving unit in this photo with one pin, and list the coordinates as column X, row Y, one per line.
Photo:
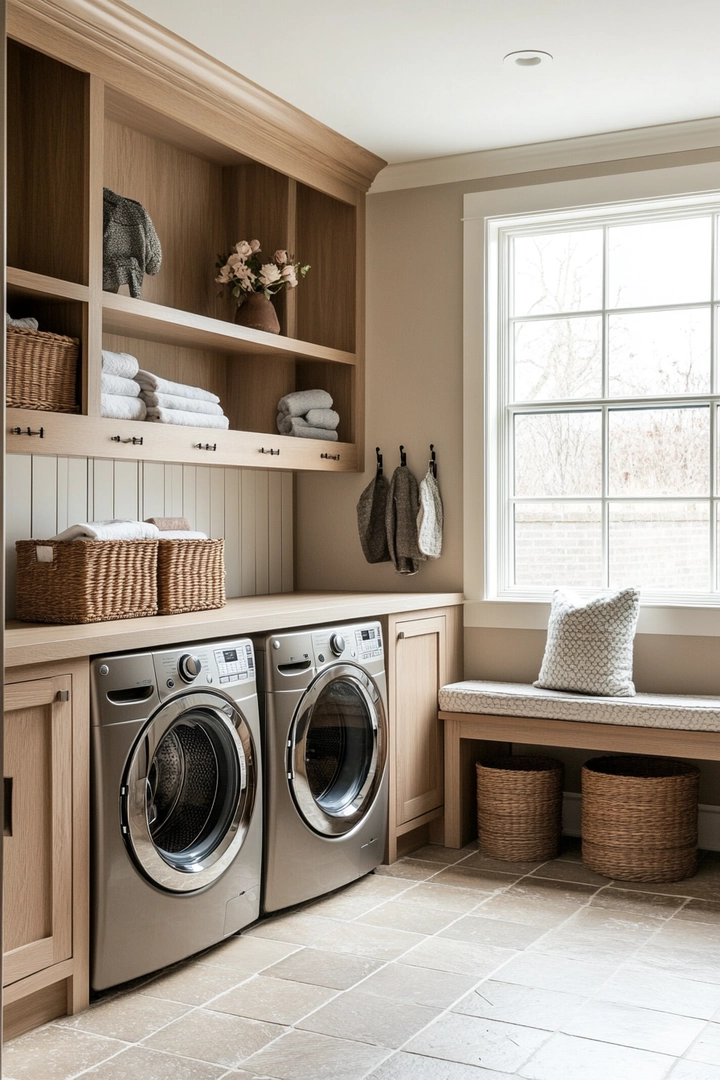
column 99, row 96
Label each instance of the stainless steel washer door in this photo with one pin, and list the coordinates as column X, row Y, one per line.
column 337, row 749
column 189, row 791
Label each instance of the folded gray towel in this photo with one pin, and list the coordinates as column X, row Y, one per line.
column 371, row 510
column 21, row 324
column 116, row 384
column 121, row 407
column 302, row 401
column 302, row 430
column 430, row 517
column 401, row 521
column 184, row 404
column 119, row 363
column 324, row 418
column 186, row 419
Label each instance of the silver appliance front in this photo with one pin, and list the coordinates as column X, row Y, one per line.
column 325, row 752
column 176, row 805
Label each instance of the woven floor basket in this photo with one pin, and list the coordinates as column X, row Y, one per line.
column 86, row 581
column 191, row 575
column 519, row 802
column 639, row 818
column 41, row 371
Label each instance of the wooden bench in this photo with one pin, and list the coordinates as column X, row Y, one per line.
column 506, row 713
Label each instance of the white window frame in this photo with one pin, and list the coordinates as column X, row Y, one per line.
column 578, row 200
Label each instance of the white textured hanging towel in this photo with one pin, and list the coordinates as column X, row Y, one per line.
column 430, row 517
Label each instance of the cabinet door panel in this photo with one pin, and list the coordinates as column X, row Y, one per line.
column 37, row 853
column 420, row 672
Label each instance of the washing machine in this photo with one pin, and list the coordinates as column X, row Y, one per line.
column 323, row 708
column 176, row 805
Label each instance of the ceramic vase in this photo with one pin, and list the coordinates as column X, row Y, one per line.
column 257, row 313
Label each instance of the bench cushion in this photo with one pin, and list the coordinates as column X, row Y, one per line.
column 519, row 699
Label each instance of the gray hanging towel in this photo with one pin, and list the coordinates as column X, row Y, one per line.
column 371, row 509
column 130, row 244
column 430, row 517
column 401, row 521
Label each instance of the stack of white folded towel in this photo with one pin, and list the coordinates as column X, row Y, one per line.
column 121, row 529
column 177, row 403
column 119, row 393
column 308, row 414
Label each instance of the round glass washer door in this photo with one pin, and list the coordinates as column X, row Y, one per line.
column 337, row 749
column 189, row 791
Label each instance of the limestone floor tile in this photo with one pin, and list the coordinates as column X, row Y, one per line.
column 54, row 1053
column 462, row 957
column 504, row 866
column 482, row 931
column 706, row 1048
column 476, row 1041
column 602, row 946
column 422, row 986
column 583, row 1059
column 478, row 879
column 345, row 905
column 700, row 887
column 403, row 1066
column 570, row 870
column 277, row 1001
column 128, row 1017
column 549, row 972
column 367, row 1018
column 538, row 902
column 247, row 955
column 215, row 1037
column 694, row 1070
column 377, row 942
column 324, row 968
column 700, row 965
column 376, row 885
column 411, row 868
column 627, row 1025
column 514, row 1004
column 704, row 911
column 417, row 918
column 444, row 897
column 689, row 934
column 138, row 1062
column 437, row 854
column 304, row 1055
column 639, row 903
column 666, row 993
column 191, row 984
column 297, row 928
column 618, row 921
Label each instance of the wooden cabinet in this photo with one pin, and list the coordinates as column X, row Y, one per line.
column 424, row 652
column 99, row 96
column 45, row 845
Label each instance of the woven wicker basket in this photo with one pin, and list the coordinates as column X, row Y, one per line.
column 519, row 801
column 86, row 581
column 639, row 818
column 41, row 371
column 191, row 575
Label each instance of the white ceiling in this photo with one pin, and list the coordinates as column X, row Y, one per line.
column 416, row 79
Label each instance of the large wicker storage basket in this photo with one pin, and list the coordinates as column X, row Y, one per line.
column 41, row 371
column 86, row 581
column 519, row 802
column 191, row 575
column 639, row 817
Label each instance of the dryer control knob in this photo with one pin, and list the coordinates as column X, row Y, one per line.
column 337, row 644
column 189, row 667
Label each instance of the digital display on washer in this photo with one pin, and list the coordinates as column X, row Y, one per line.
column 232, row 665
column 230, row 656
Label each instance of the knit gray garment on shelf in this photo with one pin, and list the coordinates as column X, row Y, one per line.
column 401, row 521
column 130, row 244
column 371, row 509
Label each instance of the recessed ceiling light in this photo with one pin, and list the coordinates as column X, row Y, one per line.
column 528, row 57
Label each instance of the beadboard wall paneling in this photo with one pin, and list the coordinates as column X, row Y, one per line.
column 252, row 509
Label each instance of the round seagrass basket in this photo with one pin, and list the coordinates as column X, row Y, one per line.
column 640, row 817
column 519, row 804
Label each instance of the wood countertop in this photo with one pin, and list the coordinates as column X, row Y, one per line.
column 35, row 643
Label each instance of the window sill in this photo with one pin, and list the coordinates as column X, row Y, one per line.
column 670, row 619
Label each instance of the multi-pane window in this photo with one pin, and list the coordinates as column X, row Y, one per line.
column 606, row 400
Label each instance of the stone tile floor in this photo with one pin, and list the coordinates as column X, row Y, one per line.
column 445, row 966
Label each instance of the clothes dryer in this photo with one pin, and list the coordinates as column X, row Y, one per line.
column 322, row 697
column 176, row 805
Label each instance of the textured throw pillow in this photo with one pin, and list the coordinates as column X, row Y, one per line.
column 589, row 646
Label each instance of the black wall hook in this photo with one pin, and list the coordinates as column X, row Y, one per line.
column 403, row 456
column 379, row 461
column 433, row 462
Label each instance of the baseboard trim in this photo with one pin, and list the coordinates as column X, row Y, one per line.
column 708, row 821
